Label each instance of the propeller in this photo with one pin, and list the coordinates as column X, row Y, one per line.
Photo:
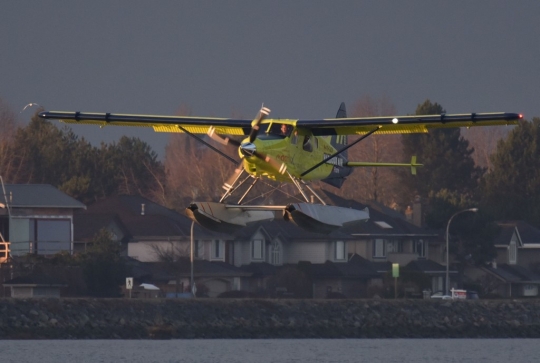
column 222, row 140
column 255, row 124
column 248, row 149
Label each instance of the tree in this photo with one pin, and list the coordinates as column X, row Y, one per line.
column 174, row 259
column 103, row 269
column 484, row 142
column 8, row 128
column 135, row 168
column 377, row 184
column 512, row 189
column 446, row 158
column 43, row 153
column 471, row 235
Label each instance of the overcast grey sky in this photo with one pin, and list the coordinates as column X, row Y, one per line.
column 301, row 58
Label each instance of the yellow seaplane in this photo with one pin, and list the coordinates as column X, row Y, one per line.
column 293, row 151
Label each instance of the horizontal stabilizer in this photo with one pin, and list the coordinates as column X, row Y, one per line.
column 413, row 165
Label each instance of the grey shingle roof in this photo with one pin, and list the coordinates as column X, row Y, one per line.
column 378, row 213
column 156, row 221
column 34, row 279
column 37, row 195
column 514, row 273
column 527, row 233
column 428, row 266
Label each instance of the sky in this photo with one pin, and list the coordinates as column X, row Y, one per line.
column 300, row 58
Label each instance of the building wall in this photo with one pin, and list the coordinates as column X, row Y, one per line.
column 21, row 292
column 528, row 256
column 315, row 252
column 144, row 250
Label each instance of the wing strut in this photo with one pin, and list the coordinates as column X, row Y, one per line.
column 207, row 144
column 339, row 152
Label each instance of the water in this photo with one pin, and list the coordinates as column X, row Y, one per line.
column 272, row 350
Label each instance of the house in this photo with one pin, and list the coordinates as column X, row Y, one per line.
column 147, row 231
column 349, row 261
column 515, row 272
column 388, row 238
column 37, row 218
column 264, row 249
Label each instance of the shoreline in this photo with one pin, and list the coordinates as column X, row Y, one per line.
column 264, row 319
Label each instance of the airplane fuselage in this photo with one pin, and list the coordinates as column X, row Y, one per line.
column 298, row 149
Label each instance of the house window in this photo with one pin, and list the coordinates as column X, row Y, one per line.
column 257, row 249
column 218, row 249
column 530, row 290
column 52, row 236
column 275, row 253
column 512, row 253
column 419, row 248
column 394, row 246
column 199, row 249
column 378, row 248
column 339, row 253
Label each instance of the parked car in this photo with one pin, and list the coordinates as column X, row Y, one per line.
column 441, row 295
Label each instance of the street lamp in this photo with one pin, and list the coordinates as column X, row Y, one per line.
column 192, row 280
column 447, row 249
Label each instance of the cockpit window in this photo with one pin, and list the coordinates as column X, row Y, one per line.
column 280, row 130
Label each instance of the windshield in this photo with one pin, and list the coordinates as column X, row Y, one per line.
column 283, row 130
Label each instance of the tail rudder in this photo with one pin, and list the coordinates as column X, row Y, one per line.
column 340, row 141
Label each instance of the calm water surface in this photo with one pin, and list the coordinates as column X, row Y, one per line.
column 272, row 350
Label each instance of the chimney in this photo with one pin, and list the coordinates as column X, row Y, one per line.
column 417, row 211
column 409, row 213
column 142, row 209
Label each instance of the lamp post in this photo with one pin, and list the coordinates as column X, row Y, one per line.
column 447, row 249
column 192, row 280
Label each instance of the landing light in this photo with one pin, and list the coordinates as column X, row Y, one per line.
column 520, row 115
column 395, row 120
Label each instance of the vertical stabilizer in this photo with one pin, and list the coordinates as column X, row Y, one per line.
column 340, row 141
column 340, row 170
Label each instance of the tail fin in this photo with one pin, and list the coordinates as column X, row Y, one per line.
column 340, row 141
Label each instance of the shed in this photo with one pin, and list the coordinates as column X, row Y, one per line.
column 34, row 286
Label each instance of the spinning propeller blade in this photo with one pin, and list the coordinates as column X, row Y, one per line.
column 277, row 165
column 224, row 141
column 255, row 124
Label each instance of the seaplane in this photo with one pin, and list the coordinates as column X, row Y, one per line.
column 296, row 151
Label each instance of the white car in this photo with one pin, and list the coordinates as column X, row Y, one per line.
column 441, row 295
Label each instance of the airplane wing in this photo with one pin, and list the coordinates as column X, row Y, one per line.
column 319, row 127
column 406, row 124
column 173, row 124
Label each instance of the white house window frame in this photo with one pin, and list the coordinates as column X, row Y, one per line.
column 379, row 248
column 394, row 246
column 512, row 253
column 257, row 249
column 218, row 250
column 420, row 248
column 198, row 249
column 340, row 253
column 275, row 253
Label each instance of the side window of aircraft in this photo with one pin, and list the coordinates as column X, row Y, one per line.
column 294, row 137
column 308, row 144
